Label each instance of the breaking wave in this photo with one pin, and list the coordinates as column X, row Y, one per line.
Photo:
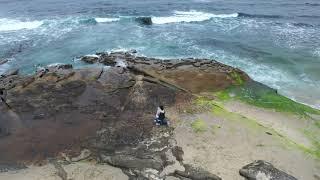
column 190, row 16
column 106, row 20
column 14, row 25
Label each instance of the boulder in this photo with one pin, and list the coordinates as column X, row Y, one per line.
column 196, row 173
column 263, row 170
column 133, row 162
column 144, row 20
column 90, row 59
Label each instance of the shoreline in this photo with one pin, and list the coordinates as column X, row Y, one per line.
column 84, row 65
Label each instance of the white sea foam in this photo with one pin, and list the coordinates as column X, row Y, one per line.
column 190, row 16
column 120, row 63
column 120, row 49
column 317, row 52
column 4, row 68
column 106, row 20
column 14, row 25
column 92, row 55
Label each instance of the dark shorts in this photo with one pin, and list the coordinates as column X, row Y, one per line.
column 162, row 122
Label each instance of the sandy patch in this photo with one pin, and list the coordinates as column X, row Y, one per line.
column 227, row 145
column 288, row 125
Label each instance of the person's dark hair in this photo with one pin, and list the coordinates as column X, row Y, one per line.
column 161, row 107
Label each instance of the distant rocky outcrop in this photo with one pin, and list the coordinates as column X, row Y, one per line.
column 144, row 20
column 107, row 110
column 259, row 170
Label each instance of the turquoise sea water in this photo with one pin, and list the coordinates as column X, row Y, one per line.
column 276, row 42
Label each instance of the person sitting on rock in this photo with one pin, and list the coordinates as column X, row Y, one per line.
column 160, row 116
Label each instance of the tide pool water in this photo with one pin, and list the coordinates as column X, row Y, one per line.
column 276, row 42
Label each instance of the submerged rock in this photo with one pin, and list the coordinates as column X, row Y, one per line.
column 263, row 170
column 144, row 20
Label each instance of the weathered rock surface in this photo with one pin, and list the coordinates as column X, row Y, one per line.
column 193, row 75
column 10, row 72
column 263, row 170
column 196, row 174
column 74, row 171
column 108, row 111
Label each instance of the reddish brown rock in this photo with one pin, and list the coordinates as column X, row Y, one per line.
column 108, row 111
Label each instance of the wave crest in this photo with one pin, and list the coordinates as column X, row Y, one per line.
column 14, row 25
column 105, row 20
column 190, row 16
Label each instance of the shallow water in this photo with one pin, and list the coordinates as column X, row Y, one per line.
column 276, row 42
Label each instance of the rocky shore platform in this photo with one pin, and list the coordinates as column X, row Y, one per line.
column 104, row 114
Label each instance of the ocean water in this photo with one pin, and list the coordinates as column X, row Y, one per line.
column 277, row 42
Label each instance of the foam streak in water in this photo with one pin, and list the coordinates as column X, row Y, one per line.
column 105, row 20
column 14, row 25
column 190, row 16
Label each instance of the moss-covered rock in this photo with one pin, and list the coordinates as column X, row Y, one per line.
column 262, row 96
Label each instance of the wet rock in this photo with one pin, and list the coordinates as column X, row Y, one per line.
column 61, row 66
column 3, row 61
column 263, row 170
column 144, row 20
column 108, row 60
column 10, row 72
column 132, row 51
column 90, row 59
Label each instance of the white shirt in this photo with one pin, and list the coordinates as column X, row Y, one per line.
column 158, row 112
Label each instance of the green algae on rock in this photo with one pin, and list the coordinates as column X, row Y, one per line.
column 260, row 95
